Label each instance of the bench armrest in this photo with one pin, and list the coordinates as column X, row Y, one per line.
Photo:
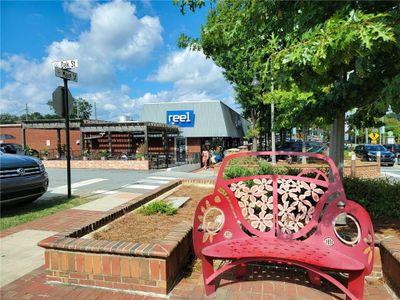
column 214, row 221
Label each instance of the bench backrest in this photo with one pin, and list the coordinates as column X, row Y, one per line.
column 282, row 206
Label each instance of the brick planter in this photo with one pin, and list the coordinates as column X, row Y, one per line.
column 72, row 259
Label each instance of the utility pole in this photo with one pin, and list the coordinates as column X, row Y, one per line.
column 66, row 109
column 26, row 111
column 95, row 111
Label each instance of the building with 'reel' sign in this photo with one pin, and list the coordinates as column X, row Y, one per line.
column 204, row 123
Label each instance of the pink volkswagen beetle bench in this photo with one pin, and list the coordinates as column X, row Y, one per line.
column 290, row 219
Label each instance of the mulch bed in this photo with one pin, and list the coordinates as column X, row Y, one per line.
column 137, row 228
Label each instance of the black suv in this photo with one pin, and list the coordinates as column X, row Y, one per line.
column 395, row 149
column 23, row 178
column 368, row 152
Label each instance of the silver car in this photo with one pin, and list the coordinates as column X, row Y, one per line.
column 22, row 178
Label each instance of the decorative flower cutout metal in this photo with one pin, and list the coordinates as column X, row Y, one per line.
column 210, row 228
column 296, row 203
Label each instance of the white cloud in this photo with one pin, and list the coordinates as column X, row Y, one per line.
column 124, row 89
column 81, row 9
column 116, row 39
column 191, row 71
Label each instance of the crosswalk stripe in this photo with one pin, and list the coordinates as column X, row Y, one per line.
column 75, row 185
column 162, row 178
column 142, row 186
column 104, row 192
column 152, row 181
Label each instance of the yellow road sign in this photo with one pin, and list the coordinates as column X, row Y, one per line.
column 374, row 137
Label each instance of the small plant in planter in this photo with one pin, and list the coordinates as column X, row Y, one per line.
column 139, row 156
column 158, row 207
column 44, row 154
column 85, row 154
column 140, row 152
column 103, row 154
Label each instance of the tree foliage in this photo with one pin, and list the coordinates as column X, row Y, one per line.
column 81, row 109
column 324, row 57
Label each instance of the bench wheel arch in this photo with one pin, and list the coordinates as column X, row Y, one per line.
column 214, row 221
column 362, row 247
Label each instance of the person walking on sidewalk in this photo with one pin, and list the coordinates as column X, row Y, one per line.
column 205, row 155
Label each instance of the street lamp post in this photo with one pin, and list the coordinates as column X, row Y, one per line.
column 255, row 83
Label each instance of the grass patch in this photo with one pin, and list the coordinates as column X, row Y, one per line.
column 158, row 207
column 23, row 213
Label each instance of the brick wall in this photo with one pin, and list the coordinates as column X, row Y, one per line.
column 99, row 164
column 106, row 270
column 390, row 253
column 144, row 267
column 37, row 138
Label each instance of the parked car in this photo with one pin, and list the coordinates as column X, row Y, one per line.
column 395, row 149
column 313, row 147
column 13, row 148
column 368, row 152
column 23, row 178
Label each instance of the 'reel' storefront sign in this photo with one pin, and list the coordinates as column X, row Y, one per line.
column 181, row 118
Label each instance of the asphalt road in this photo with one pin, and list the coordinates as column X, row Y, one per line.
column 89, row 183
column 97, row 183
column 393, row 172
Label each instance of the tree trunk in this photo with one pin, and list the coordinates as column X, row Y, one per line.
column 254, row 122
column 304, row 148
column 336, row 147
column 254, row 145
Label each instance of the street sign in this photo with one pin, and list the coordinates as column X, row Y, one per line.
column 66, row 64
column 58, row 103
column 66, row 74
column 374, row 136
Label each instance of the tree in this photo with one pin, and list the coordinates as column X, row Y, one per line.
column 6, row 118
column 333, row 56
column 81, row 109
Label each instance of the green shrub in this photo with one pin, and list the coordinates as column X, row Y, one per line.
column 250, row 165
column 158, row 207
column 379, row 196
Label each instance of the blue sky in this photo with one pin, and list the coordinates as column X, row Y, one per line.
column 126, row 50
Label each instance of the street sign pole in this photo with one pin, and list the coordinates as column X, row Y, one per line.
column 66, row 109
column 61, row 69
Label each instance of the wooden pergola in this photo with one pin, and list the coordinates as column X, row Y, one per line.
column 87, row 128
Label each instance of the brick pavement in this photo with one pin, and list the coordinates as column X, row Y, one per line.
column 262, row 283
column 57, row 222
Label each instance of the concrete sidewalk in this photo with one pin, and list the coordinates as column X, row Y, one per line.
column 23, row 275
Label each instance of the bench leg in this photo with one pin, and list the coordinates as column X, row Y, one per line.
column 356, row 284
column 208, row 270
column 314, row 278
column 241, row 271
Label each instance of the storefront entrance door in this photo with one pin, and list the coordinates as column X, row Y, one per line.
column 180, row 150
